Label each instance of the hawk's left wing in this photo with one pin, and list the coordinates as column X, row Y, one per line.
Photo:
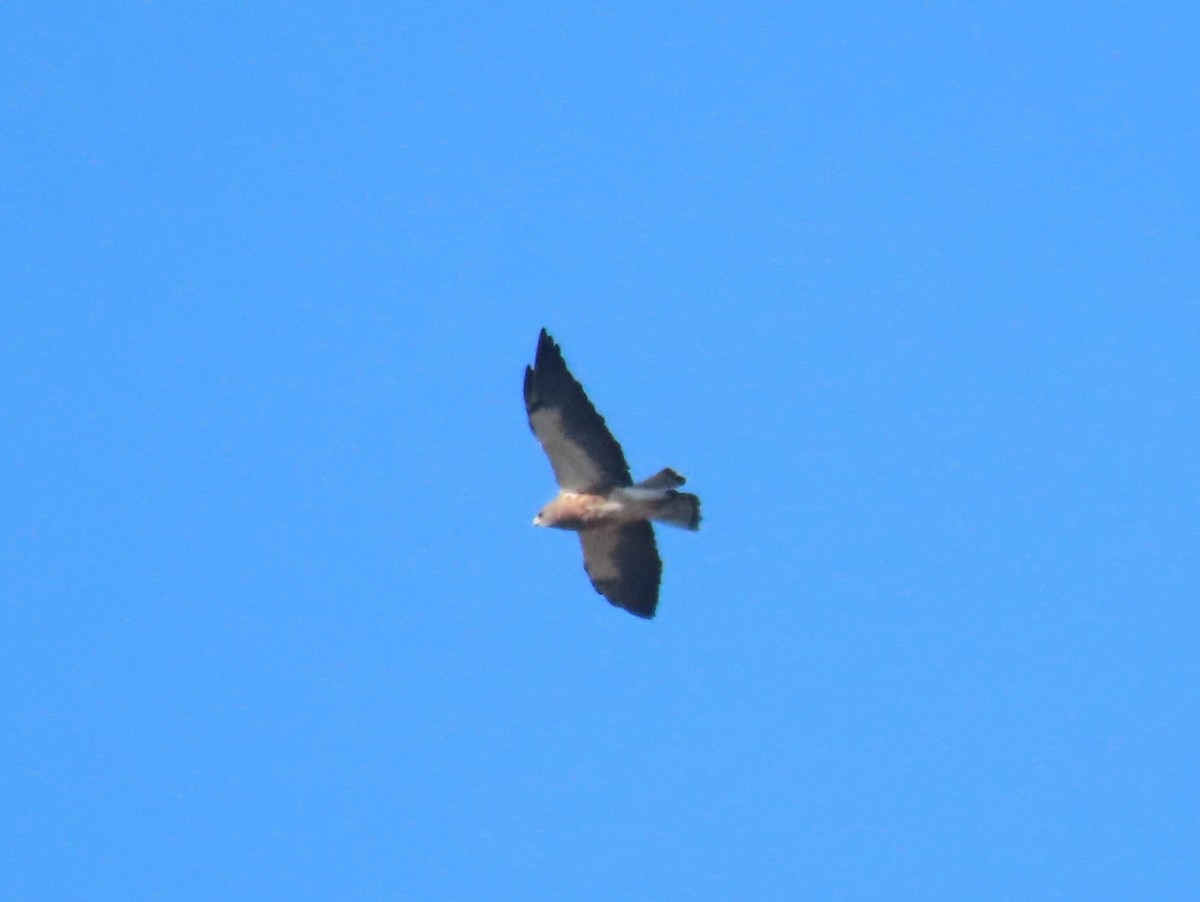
column 582, row 451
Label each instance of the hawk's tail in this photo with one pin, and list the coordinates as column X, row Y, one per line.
column 679, row 509
column 663, row 479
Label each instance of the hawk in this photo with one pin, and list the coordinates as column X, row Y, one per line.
column 597, row 498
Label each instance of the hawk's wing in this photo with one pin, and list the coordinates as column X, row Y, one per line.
column 624, row 566
column 582, row 451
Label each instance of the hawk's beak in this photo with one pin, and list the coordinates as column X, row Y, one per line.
column 537, row 521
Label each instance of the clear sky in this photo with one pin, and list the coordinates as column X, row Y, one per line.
column 910, row 292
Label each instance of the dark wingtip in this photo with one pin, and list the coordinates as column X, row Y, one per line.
column 547, row 349
column 643, row 606
column 546, row 359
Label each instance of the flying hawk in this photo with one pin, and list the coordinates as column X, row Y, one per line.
column 597, row 498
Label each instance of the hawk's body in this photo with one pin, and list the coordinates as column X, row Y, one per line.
column 597, row 496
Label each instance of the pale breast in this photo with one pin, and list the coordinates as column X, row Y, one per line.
column 579, row 510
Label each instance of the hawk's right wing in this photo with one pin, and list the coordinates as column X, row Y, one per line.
column 624, row 566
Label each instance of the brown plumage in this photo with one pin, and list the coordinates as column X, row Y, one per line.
column 597, row 497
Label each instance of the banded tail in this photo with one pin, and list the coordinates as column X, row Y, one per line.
column 678, row 508
column 663, row 479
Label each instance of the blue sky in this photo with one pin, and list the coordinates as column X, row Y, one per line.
column 910, row 293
